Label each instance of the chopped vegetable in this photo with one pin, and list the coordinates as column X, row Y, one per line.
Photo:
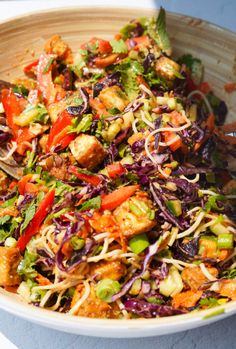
column 139, row 243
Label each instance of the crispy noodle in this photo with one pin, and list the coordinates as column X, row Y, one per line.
column 10, row 153
column 78, row 304
column 163, row 129
column 208, row 275
column 198, row 92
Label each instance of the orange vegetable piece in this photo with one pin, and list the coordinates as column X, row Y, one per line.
column 186, row 299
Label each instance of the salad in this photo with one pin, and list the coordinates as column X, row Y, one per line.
column 117, row 194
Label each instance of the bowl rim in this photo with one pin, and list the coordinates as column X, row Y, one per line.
column 119, row 328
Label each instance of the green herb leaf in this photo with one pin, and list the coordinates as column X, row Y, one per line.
column 162, row 37
column 4, row 219
column 188, row 60
column 212, row 203
column 26, row 266
column 81, row 125
column 21, row 90
column 94, row 203
column 29, row 214
column 229, row 274
column 125, row 31
column 4, row 234
column 9, row 202
column 119, row 46
column 209, row 302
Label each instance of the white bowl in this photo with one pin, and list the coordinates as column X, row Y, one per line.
column 214, row 45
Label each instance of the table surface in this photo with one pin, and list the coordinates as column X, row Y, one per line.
column 219, row 335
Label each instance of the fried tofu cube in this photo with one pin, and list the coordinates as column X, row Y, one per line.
column 88, row 151
column 134, row 216
column 167, row 68
column 9, row 260
column 114, row 97
column 108, row 270
column 55, row 45
column 194, row 277
column 94, row 307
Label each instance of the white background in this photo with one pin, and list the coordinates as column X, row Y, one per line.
column 216, row 336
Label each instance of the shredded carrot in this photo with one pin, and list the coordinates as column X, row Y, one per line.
column 186, row 299
column 42, row 280
column 135, row 137
column 224, row 253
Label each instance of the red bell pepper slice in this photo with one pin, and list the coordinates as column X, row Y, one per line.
column 58, row 134
column 91, row 179
column 29, row 69
column 117, row 197
column 34, row 226
column 103, row 62
column 12, row 108
column 22, row 183
column 190, row 85
column 44, row 78
column 115, row 170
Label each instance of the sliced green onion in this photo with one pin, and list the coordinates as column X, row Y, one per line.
column 225, row 241
column 155, row 300
column 136, row 287
column 139, row 243
column 175, row 207
column 106, row 288
column 77, row 243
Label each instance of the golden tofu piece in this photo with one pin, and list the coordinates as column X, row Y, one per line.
column 228, row 289
column 87, row 150
column 194, row 277
column 133, row 216
column 9, row 260
column 94, row 307
column 108, row 270
column 114, row 97
column 167, row 68
column 3, row 181
column 55, row 45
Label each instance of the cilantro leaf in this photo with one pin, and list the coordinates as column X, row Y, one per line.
column 4, row 219
column 119, row 46
column 81, row 125
column 212, row 302
column 125, row 31
column 26, row 266
column 212, row 203
column 4, row 234
column 21, row 90
column 188, row 60
column 29, row 214
column 92, row 203
column 128, row 70
column 9, row 202
column 229, row 274
column 162, row 37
